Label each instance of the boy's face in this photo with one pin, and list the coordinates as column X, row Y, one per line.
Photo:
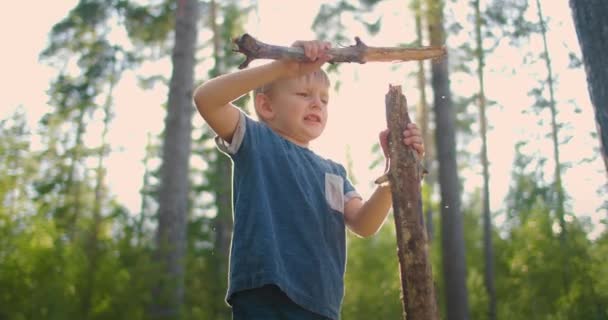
column 299, row 108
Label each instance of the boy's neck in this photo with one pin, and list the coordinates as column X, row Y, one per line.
column 284, row 135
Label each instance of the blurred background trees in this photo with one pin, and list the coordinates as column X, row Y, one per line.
column 70, row 248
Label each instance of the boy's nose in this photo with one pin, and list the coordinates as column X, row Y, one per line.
column 316, row 102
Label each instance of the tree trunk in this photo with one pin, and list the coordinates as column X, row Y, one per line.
column 92, row 243
column 592, row 31
column 487, row 220
column 145, row 192
column 174, row 184
column 73, row 183
column 222, row 223
column 452, row 238
column 423, row 121
column 404, row 175
column 558, row 188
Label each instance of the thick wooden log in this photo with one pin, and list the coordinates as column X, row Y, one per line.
column 360, row 52
column 404, row 175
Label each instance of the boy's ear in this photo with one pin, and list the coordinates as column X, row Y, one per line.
column 263, row 106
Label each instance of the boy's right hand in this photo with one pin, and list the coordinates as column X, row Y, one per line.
column 316, row 51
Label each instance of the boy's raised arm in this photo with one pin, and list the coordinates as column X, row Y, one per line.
column 213, row 99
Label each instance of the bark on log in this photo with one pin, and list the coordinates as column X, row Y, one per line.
column 405, row 174
column 360, row 52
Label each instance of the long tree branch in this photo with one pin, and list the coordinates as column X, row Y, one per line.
column 360, row 52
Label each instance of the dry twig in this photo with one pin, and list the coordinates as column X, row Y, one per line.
column 360, row 52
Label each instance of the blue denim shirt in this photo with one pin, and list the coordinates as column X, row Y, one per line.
column 288, row 219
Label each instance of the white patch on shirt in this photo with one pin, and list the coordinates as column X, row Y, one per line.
column 334, row 191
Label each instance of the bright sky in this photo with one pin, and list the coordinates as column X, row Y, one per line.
column 356, row 111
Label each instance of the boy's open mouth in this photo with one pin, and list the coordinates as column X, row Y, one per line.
column 313, row 118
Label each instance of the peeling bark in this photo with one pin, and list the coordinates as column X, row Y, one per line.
column 360, row 52
column 405, row 174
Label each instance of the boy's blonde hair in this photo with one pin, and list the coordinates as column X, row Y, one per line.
column 318, row 75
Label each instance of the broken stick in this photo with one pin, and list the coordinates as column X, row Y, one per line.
column 404, row 175
column 360, row 52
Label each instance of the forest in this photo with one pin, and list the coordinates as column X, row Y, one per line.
column 116, row 163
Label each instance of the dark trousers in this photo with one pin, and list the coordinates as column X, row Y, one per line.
column 268, row 303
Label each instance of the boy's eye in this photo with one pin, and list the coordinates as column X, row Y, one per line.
column 302, row 94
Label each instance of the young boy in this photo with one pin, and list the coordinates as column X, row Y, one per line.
column 291, row 206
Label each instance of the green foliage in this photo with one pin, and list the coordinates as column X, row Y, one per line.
column 534, row 265
column 57, row 261
column 148, row 25
column 42, row 276
column 473, row 235
column 508, row 20
column 329, row 22
column 372, row 282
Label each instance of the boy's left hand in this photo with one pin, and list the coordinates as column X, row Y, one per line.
column 411, row 137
